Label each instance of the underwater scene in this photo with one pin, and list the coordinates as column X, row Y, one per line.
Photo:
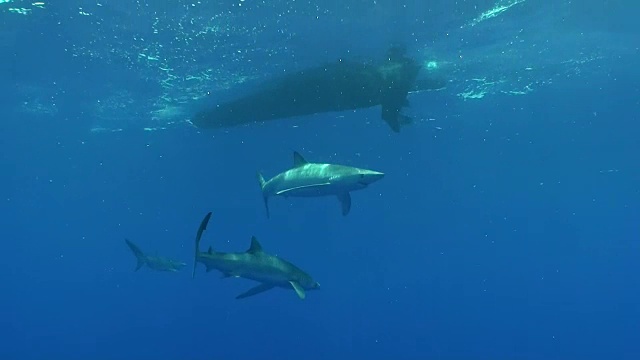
column 300, row 179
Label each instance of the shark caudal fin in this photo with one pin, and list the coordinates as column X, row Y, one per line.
column 201, row 229
column 265, row 197
column 140, row 257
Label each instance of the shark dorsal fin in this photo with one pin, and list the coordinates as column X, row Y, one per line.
column 210, row 251
column 298, row 160
column 255, row 246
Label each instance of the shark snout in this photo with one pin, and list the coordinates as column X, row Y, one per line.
column 368, row 177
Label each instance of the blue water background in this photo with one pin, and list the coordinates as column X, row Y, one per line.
column 507, row 229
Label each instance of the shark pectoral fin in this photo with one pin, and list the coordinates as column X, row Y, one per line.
column 285, row 191
column 255, row 291
column 196, row 253
column 264, row 197
column 299, row 290
column 266, row 205
column 345, row 201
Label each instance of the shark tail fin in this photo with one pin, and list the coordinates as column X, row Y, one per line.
column 201, row 229
column 140, row 257
column 264, row 197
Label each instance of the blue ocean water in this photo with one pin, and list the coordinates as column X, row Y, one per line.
column 506, row 226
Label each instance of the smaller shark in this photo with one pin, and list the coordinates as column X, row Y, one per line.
column 154, row 262
column 307, row 179
column 255, row 264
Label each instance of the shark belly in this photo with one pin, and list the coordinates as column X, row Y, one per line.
column 311, row 191
column 308, row 187
column 248, row 267
column 268, row 277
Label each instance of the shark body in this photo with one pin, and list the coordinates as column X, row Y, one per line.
column 254, row 264
column 307, row 179
column 157, row 263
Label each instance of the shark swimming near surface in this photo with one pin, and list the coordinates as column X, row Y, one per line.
column 254, row 264
column 157, row 263
column 307, row 179
column 338, row 86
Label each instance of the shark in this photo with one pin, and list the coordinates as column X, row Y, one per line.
column 157, row 263
column 307, row 179
column 254, row 264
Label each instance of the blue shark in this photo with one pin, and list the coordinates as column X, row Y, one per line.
column 154, row 262
column 307, row 179
column 254, row 264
